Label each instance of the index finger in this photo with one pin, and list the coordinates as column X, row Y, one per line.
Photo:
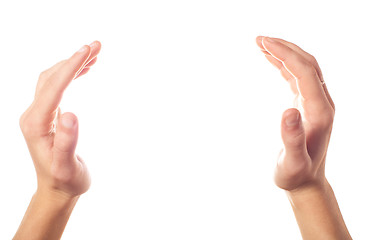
column 306, row 75
column 49, row 96
column 306, row 55
column 43, row 110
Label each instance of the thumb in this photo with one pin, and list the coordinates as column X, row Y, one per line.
column 293, row 134
column 66, row 138
column 294, row 162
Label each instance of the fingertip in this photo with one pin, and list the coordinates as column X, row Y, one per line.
column 66, row 136
column 267, row 41
column 292, row 133
column 84, row 49
column 82, row 54
column 258, row 40
column 95, row 43
column 290, row 111
column 291, row 118
column 69, row 120
column 95, row 47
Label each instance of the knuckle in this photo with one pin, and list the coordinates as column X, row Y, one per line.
column 62, row 146
column 24, row 124
column 27, row 125
column 313, row 60
column 326, row 120
column 309, row 73
column 296, row 141
column 21, row 121
column 306, row 67
column 43, row 74
column 309, row 67
column 329, row 117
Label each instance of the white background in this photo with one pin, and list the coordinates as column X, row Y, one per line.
column 180, row 117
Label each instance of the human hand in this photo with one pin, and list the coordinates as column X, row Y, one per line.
column 51, row 136
column 305, row 129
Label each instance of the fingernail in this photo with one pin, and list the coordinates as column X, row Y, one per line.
column 292, row 120
column 82, row 49
column 92, row 44
column 67, row 122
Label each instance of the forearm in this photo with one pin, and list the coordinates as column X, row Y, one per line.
column 318, row 214
column 46, row 217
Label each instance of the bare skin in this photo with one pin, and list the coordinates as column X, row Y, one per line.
column 306, row 131
column 51, row 136
column 62, row 175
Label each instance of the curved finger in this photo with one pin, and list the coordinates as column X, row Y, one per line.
column 285, row 74
column 328, row 96
column 278, row 64
column 92, row 62
column 86, row 69
column 310, row 58
column 313, row 61
column 83, row 72
column 306, row 55
column 306, row 75
column 43, row 77
column 94, row 51
column 49, row 96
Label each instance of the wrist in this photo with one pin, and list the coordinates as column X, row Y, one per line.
column 318, row 187
column 317, row 211
column 310, row 195
column 55, row 198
